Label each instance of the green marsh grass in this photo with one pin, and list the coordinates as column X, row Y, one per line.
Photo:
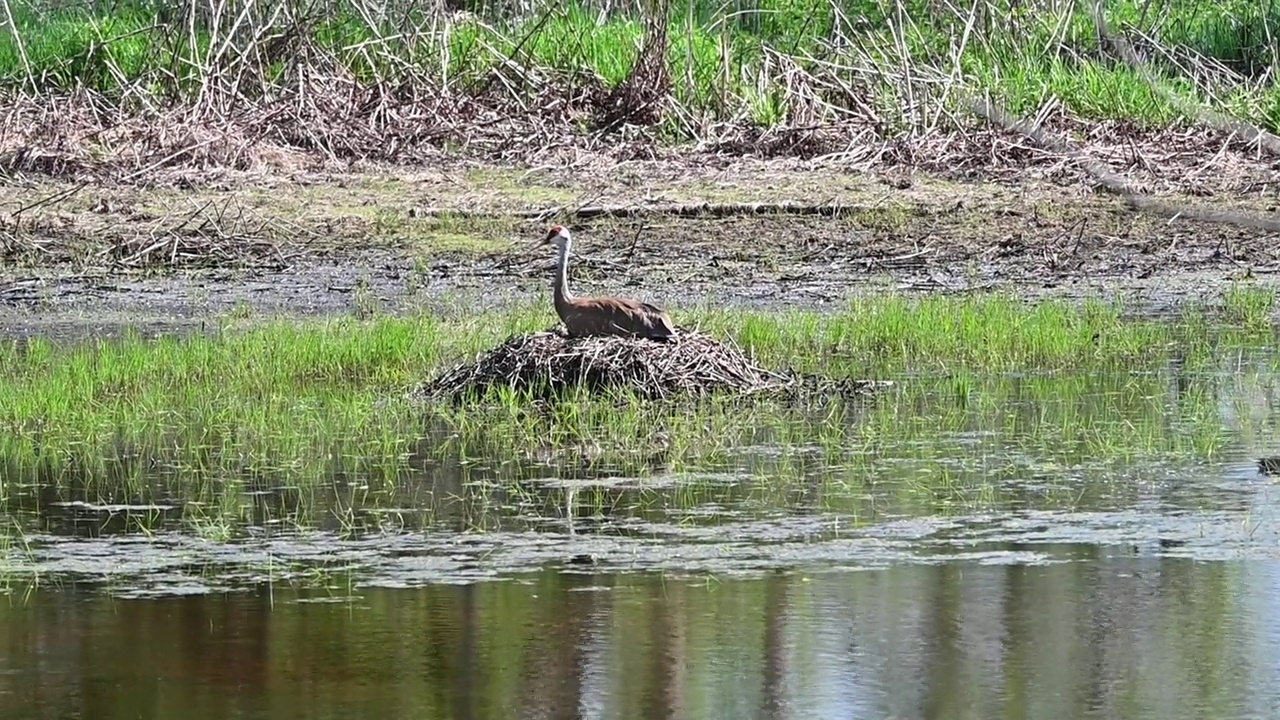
column 289, row 402
column 1249, row 308
column 766, row 63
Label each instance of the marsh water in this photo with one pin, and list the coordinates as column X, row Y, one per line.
column 1027, row 546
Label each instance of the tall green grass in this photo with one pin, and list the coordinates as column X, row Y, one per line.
column 769, row 62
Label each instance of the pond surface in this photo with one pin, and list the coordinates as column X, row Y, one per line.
column 1002, row 547
column 1100, row 632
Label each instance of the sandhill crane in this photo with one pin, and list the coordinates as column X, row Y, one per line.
column 601, row 315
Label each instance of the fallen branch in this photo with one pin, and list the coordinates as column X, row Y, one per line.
column 1109, row 179
column 684, row 210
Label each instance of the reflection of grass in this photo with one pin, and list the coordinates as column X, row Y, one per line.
column 15, row 556
column 958, row 444
column 205, row 418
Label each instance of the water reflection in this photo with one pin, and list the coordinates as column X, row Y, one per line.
column 1109, row 634
column 1031, row 547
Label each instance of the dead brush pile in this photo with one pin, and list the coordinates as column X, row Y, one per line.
column 545, row 363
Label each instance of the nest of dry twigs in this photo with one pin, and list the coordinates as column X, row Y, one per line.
column 691, row 364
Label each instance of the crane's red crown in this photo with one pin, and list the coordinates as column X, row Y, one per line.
column 554, row 231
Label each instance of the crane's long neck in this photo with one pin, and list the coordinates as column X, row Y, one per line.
column 561, row 290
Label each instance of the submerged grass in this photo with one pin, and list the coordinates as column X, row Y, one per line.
column 287, row 403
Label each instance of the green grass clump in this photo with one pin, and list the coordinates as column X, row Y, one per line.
column 896, row 335
column 903, row 60
column 1249, row 308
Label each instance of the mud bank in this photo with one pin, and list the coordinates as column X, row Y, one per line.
column 91, row 260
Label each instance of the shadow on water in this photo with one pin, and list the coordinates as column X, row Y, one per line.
column 1041, row 547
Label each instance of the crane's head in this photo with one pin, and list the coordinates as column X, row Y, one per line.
column 558, row 235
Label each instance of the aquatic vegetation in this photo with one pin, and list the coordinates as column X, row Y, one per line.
column 16, row 568
column 1249, row 308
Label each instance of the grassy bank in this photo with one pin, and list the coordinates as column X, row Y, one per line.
column 292, row 403
column 360, row 78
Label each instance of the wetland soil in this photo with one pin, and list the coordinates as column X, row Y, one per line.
column 90, row 258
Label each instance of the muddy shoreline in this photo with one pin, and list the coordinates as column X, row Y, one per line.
column 93, row 260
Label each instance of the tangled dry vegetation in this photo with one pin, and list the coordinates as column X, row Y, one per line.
column 692, row 364
column 272, row 95
column 236, row 109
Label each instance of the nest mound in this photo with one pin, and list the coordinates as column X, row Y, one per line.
column 689, row 364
